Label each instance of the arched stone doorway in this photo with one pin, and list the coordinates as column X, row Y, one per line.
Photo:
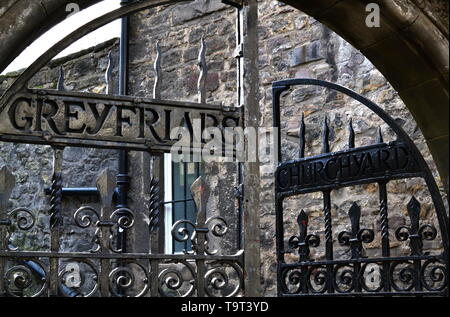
column 410, row 33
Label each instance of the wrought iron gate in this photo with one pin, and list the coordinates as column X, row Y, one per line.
column 418, row 273
column 107, row 270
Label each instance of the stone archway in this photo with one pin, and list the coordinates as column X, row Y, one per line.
column 410, row 48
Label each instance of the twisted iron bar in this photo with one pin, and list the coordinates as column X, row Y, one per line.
column 56, row 200
column 154, row 205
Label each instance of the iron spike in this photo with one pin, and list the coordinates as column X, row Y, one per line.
column 203, row 72
column 60, row 84
column 351, row 135
column 158, row 73
column 380, row 136
column 302, row 136
column 109, row 75
column 326, row 136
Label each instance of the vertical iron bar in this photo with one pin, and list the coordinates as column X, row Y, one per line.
column 185, row 197
column 252, row 180
column 7, row 183
column 106, row 186
column 200, row 193
column 122, row 176
column 328, row 238
column 279, row 232
column 384, row 233
column 55, row 218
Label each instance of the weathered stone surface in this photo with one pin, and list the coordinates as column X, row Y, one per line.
column 292, row 45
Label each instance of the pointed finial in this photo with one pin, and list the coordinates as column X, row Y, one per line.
column 109, row 75
column 203, row 72
column 7, row 183
column 302, row 218
column 380, row 135
column 326, row 137
column 351, row 135
column 200, row 194
column 302, row 136
column 60, row 84
column 158, row 73
column 414, row 212
column 106, row 184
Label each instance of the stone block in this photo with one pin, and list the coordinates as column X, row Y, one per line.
column 305, row 54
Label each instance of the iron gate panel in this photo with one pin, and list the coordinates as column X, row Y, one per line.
column 108, row 270
column 422, row 273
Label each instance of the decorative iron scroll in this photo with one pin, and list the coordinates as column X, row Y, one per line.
column 418, row 274
column 60, row 118
column 106, row 271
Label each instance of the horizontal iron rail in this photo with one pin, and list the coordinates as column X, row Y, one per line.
column 363, row 260
column 88, row 191
column 127, row 256
column 384, row 294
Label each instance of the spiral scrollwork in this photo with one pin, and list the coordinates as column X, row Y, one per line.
column 427, row 232
column 24, row 218
column 223, row 279
column 344, row 278
column 86, row 216
column 130, row 280
column 179, row 280
column 402, row 233
column 403, row 276
column 434, row 275
column 218, row 226
column 81, row 276
column 317, row 279
column 20, row 281
column 366, row 235
column 183, row 233
column 292, row 281
column 124, row 218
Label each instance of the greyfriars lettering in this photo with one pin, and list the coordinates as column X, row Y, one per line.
column 362, row 165
column 103, row 121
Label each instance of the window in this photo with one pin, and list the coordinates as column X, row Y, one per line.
column 178, row 202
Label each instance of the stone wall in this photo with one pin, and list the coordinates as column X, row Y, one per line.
column 291, row 45
column 32, row 164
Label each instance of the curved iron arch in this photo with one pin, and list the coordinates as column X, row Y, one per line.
column 20, row 83
column 280, row 87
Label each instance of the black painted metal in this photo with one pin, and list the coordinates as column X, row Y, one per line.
column 418, row 274
column 112, row 273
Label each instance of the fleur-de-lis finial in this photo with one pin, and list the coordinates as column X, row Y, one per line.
column 303, row 241
column 357, row 236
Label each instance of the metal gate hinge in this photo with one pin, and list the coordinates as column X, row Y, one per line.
column 234, row 3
